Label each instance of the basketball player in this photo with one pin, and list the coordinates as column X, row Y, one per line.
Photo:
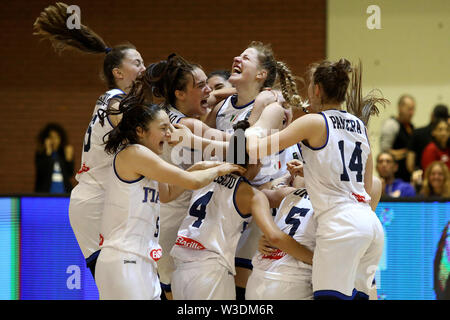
column 139, row 180
column 122, row 64
column 207, row 239
column 252, row 71
column 278, row 276
column 338, row 176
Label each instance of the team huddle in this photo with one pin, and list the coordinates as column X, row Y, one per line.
column 225, row 187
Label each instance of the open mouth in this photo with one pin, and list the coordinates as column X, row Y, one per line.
column 204, row 102
column 237, row 70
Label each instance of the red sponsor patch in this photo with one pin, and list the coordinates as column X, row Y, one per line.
column 84, row 168
column 359, row 197
column 276, row 255
column 156, row 254
column 101, row 240
column 189, row 243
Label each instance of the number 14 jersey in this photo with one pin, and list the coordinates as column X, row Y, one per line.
column 334, row 173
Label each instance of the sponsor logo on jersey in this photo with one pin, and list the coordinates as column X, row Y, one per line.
column 359, row 198
column 156, row 254
column 276, row 255
column 100, row 243
column 84, row 168
column 129, row 261
column 189, row 243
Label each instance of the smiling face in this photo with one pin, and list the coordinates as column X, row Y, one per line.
column 245, row 67
column 192, row 101
column 157, row 132
column 131, row 67
column 437, row 177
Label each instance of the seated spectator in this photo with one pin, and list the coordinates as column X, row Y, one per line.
column 436, row 182
column 396, row 133
column 438, row 149
column 386, row 167
column 54, row 161
column 421, row 138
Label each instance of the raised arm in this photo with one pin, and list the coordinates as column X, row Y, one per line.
column 310, row 127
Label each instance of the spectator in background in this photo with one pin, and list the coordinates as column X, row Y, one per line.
column 436, row 182
column 438, row 149
column 218, row 79
column 421, row 138
column 386, row 167
column 54, row 161
column 396, row 133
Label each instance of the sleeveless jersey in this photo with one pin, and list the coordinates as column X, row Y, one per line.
column 213, row 225
column 95, row 162
column 334, row 173
column 275, row 166
column 130, row 221
column 229, row 114
column 293, row 218
column 181, row 157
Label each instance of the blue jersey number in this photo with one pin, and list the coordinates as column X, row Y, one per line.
column 198, row 208
column 355, row 163
column 87, row 144
column 295, row 222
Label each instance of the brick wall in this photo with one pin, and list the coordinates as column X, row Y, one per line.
column 38, row 86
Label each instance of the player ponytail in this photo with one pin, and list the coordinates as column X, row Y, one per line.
column 277, row 71
column 52, row 25
column 363, row 107
column 167, row 76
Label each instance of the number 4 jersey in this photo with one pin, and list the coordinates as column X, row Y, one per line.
column 334, row 173
column 213, row 226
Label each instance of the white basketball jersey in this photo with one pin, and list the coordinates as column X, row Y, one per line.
column 95, row 162
column 181, row 157
column 213, row 226
column 334, row 173
column 275, row 166
column 229, row 114
column 130, row 221
column 293, row 218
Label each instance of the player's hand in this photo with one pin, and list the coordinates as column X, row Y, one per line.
column 264, row 246
column 226, row 168
column 180, row 134
column 295, row 168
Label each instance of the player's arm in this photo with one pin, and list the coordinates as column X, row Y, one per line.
column 201, row 129
column 219, row 95
column 114, row 105
column 310, row 127
column 368, row 174
column 138, row 161
column 251, row 200
column 170, row 192
column 210, row 120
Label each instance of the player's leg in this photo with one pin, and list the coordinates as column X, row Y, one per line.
column 202, row 280
column 369, row 262
column 125, row 276
column 342, row 239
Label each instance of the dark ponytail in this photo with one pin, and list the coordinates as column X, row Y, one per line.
column 52, row 25
column 333, row 79
column 363, row 107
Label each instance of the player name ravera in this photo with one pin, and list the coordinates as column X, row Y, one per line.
column 227, row 181
column 346, row 124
